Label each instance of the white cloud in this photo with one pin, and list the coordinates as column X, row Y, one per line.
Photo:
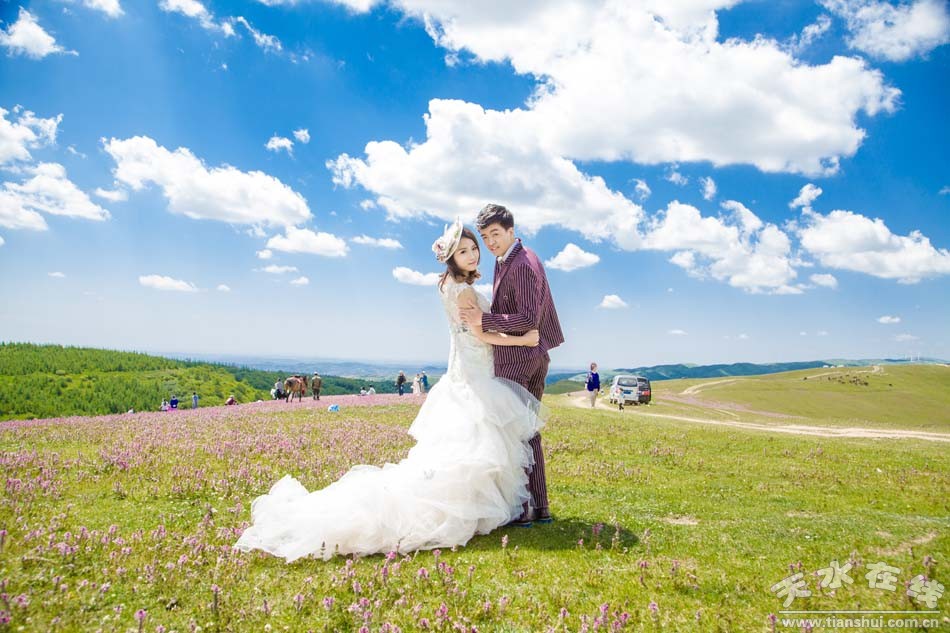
column 277, row 143
column 221, row 193
column 906, row 338
column 894, row 32
column 850, row 241
column 826, row 280
column 743, row 337
column 26, row 37
column 118, row 195
column 675, row 177
column 384, row 242
column 223, row 288
column 302, row 135
column 709, row 188
column 612, row 302
column 471, row 151
column 47, row 191
column 300, row 281
column 110, row 7
column 571, row 258
column 888, row 320
column 269, row 43
column 677, row 332
column 642, row 189
column 812, row 32
column 57, row 275
column 196, row 11
column 2, row 241
column 18, row 137
column 274, row 269
column 414, row 278
column 808, row 194
column 747, row 253
column 161, row 282
column 306, row 241
column 944, row 191
column 265, row 254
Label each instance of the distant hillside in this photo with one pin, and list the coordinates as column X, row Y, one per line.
column 40, row 381
column 565, row 382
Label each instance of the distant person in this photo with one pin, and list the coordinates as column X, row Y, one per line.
column 230, row 400
column 416, row 385
column 362, row 391
column 424, row 381
column 316, row 384
column 164, row 406
column 194, row 399
column 131, row 411
column 174, row 402
column 278, row 393
column 371, row 391
column 401, row 383
column 593, row 384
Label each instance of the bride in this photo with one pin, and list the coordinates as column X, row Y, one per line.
column 464, row 476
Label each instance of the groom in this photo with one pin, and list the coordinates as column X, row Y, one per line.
column 521, row 301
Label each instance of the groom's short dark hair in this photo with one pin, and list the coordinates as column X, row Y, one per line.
column 494, row 214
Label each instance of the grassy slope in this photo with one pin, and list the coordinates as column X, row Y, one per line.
column 730, row 510
column 911, row 397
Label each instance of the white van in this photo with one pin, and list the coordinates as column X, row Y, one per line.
column 630, row 389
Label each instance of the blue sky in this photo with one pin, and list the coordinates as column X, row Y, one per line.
column 708, row 180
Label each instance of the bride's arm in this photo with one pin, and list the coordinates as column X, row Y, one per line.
column 467, row 299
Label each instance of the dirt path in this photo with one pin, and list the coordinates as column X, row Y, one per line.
column 875, row 369
column 697, row 388
column 793, row 429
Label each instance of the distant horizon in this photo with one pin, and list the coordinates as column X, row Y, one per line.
column 191, row 355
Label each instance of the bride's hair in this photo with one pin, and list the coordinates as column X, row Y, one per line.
column 451, row 268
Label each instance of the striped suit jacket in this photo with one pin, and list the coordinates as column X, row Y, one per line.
column 521, row 301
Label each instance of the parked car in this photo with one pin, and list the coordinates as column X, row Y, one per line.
column 630, row 390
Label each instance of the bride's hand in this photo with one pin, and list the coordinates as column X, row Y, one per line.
column 532, row 338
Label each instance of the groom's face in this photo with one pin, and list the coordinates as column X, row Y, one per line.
column 497, row 238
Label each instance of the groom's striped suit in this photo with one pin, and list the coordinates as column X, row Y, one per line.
column 521, row 301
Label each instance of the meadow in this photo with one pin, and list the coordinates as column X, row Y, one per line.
column 125, row 522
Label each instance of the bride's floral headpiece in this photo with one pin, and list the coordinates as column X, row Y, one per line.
column 446, row 245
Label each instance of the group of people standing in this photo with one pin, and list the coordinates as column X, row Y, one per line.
column 420, row 383
column 172, row 405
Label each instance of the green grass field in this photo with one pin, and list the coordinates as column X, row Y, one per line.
column 662, row 524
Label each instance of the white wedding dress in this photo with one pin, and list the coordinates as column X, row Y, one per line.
column 465, row 475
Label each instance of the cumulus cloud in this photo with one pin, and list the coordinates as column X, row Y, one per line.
column 612, row 302
column 265, row 253
column 111, row 8
column 302, row 135
column 826, row 280
column 741, row 249
column 223, row 288
column 24, row 131
column 197, row 11
column 162, row 282
column 709, row 188
column 642, row 189
column 268, row 43
column 895, row 32
column 810, row 33
column 49, row 191
column 414, row 278
column 296, row 240
column 278, row 143
column 224, row 193
column 675, row 177
column 889, row 320
column 117, row 195
column 850, row 241
column 274, row 269
column 26, row 37
column 571, row 258
column 300, row 281
column 384, row 242
column 808, row 194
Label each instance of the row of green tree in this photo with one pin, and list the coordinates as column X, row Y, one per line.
column 42, row 381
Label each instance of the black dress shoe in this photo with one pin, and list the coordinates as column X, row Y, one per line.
column 521, row 523
column 543, row 518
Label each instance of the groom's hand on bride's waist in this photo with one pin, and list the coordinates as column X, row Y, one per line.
column 472, row 317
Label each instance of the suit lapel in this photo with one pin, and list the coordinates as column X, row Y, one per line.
column 501, row 271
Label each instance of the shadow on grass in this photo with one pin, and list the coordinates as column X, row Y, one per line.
column 563, row 534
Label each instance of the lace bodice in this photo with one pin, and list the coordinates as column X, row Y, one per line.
column 468, row 356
